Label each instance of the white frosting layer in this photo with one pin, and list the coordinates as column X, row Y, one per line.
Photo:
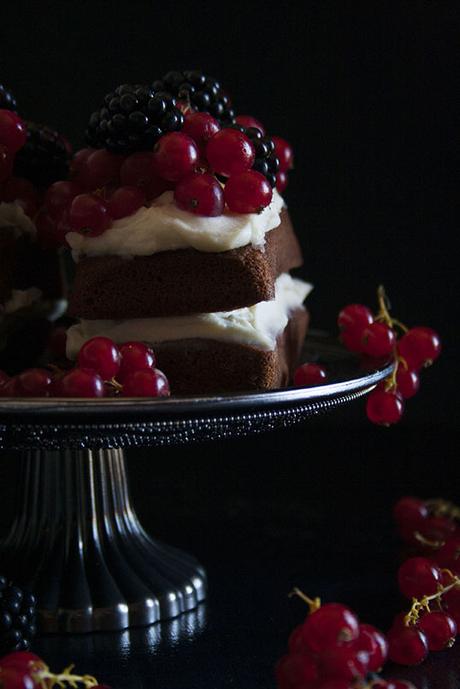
column 165, row 227
column 12, row 215
column 20, row 299
column 257, row 325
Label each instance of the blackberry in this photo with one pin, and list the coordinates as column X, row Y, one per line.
column 203, row 92
column 266, row 161
column 17, row 618
column 44, row 158
column 7, row 100
column 133, row 118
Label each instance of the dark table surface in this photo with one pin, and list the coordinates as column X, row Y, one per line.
column 309, row 507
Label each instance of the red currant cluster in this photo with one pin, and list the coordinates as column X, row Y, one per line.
column 384, row 337
column 25, row 670
column 103, row 370
column 13, row 136
column 105, row 186
column 332, row 649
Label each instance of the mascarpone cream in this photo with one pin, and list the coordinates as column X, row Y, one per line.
column 12, row 215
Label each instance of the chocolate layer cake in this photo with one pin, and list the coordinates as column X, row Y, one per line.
column 185, row 281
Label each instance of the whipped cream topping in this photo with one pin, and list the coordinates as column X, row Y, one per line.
column 12, row 215
column 165, row 227
column 20, row 299
column 257, row 325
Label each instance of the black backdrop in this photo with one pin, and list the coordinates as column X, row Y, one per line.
column 365, row 92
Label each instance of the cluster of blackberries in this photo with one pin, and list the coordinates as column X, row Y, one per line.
column 202, row 92
column 17, row 618
column 44, row 158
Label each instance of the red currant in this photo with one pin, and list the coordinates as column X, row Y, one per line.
column 284, row 153
column 35, row 382
column 13, row 131
column 384, row 408
column 295, row 670
column 78, row 163
column 146, row 383
column 200, row 126
column 351, row 321
column 330, row 625
column 248, row 121
column 200, row 194
column 22, row 660
column 175, row 155
column 451, row 603
column 4, row 378
column 281, row 181
column 101, row 355
column 6, row 163
column 374, row 643
column 57, row 343
column 448, row 556
column 309, row 374
column 419, row 347
column 418, row 577
column 407, row 381
column 440, row 630
column 344, row 662
column 230, row 152
column 81, row 382
column 89, row 215
column 135, row 356
column 248, row 192
column 137, row 170
column 409, row 513
column 157, row 186
column 101, row 169
column 125, row 201
column 407, row 645
column 15, row 678
column 23, row 193
column 377, row 340
column 11, row 388
column 59, row 196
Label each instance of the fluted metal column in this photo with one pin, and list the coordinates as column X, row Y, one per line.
column 77, row 542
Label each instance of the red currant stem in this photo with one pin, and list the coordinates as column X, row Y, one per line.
column 45, row 679
column 424, row 602
column 114, row 384
column 443, row 508
column 313, row 604
column 428, row 542
column 383, row 315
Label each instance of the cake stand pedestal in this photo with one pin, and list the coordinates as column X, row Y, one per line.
column 76, row 540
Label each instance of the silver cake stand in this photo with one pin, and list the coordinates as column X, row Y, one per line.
column 76, row 540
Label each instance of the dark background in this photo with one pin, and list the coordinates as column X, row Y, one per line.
column 366, row 93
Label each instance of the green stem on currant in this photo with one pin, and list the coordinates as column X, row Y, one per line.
column 443, row 508
column 383, row 315
column 314, row 604
column 47, row 680
column 424, row 602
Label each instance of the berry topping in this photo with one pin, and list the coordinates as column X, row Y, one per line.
column 13, row 131
column 146, row 383
column 137, row 169
column 281, row 181
column 248, row 121
column 198, row 92
column 100, row 169
column 133, row 118
column 309, row 374
column 17, row 619
column 230, row 152
column 200, row 126
column 175, row 155
column 135, row 356
column 44, row 158
column 201, row 194
column 101, row 355
column 248, row 192
column 284, row 153
column 419, row 347
column 89, row 215
column 125, row 201
column 59, row 197
column 81, row 382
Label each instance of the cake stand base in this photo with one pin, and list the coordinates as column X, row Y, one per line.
column 78, row 544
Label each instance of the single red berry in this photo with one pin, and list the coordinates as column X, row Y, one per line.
column 22, row 192
column 146, row 383
column 418, row 577
column 57, row 342
column 437, row 528
column 13, row 131
column 175, row 155
column 407, row 645
column 407, row 382
column 78, row 163
column 125, row 201
column 59, row 196
column 330, row 625
column 81, row 382
column 101, row 355
column 6, row 163
column 101, row 169
column 448, row 556
column 419, row 347
column 374, row 643
column 248, row 192
column 451, row 603
column 296, row 643
column 284, row 153
column 135, row 356
column 344, row 662
column 410, row 510
column 248, row 121
column 230, row 152
column 309, row 374
column 352, row 320
column 23, row 660
column 384, row 408
column 295, row 670
column 378, row 340
column 4, row 378
column 137, row 169
column 200, row 126
column 440, row 630
column 15, row 678
column 34, row 382
column 89, row 215
column 157, row 186
column 200, row 194
column 11, row 388
column 281, row 181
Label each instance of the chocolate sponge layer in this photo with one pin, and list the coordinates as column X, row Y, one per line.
column 173, row 283
column 197, row 366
